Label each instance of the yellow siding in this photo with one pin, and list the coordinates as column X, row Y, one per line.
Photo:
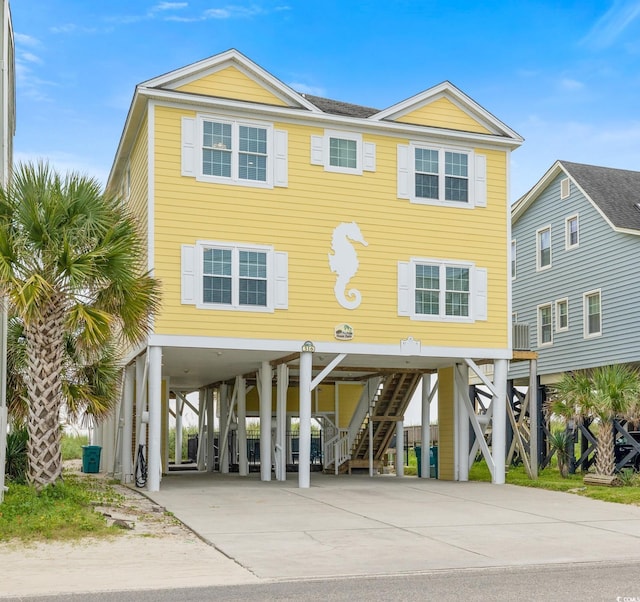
column 139, row 171
column 231, row 83
column 443, row 113
column 300, row 220
column 446, row 425
column 322, row 400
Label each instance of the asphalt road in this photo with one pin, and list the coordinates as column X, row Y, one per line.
column 619, row 582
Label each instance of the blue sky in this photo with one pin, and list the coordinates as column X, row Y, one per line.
column 564, row 75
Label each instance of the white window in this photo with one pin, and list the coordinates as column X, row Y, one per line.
column 592, row 309
column 543, row 248
column 514, row 317
column 217, row 275
column 225, row 151
column 430, row 289
column 545, row 330
column 572, row 236
column 343, row 152
column 562, row 315
column 565, row 188
column 513, row 259
column 435, row 175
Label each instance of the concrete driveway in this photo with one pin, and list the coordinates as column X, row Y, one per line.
column 357, row 525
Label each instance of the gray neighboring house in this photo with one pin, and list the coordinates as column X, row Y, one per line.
column 575, row 269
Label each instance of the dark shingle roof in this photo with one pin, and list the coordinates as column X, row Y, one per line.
column 335, row 107
column 614, row 191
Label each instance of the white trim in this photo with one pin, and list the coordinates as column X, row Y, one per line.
column 557, row 321
column 151, row 187
column 585, row 315
column 180, row 77
column 234, row 179
column 196, row 102
column 539, row 325
column 509, row 237
column 342, row 135
column 294, row 345
column 541, row 268
column 567, row 234
column 458, row 98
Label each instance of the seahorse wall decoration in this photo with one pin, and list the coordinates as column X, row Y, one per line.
column 344, row 262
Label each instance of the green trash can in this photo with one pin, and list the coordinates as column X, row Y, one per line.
column 91, row 458
column 433, row 461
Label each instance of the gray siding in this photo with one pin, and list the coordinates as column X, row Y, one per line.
column 604, row 259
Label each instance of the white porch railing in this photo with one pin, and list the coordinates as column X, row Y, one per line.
column 336, row 450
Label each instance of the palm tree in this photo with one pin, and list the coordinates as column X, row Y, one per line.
column 602, row 394
column 71, row 268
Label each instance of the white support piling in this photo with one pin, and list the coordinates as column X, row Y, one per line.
column 498, row 432
column 265, row 421
column 201, row 456
column 370, row 446
column 400, row 448
column 211, row 442
column 155, row 418
column 281, row 421
column 127, row 430
column 304, row 455
column 179, row 406
column 534, row 425
column 462, row 390
column 288, row 440
column 426, row 427
column 141, row 400
column 223, row 433
column 243, row 464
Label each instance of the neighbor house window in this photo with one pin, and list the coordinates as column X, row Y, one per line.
column 572, row 237
column 592, row 314
column 545, row 333
column 513, row 258
column 543, row 244
column 562, row 315
column 565, row 188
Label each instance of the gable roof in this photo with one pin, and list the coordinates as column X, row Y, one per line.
column 615, row 193
column 447, row 90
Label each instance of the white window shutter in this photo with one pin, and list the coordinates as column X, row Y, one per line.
column 281, row 168
column 369, row 156
column 404, row 288
column 403, row 171
column 317, row 150
column 480, row 296
column 188, row 146
column 188, row 281
column 480, row 199
column 281, row 280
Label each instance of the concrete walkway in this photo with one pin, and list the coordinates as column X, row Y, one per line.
column 356, row 525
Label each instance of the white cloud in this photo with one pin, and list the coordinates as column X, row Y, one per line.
column 613, row 23
column 162, row 6
column 28, row 57
column 26, row 40
column 571, row 84
column 306, row 89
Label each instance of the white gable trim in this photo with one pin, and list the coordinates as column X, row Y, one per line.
column 230, row 58
column 459, row 99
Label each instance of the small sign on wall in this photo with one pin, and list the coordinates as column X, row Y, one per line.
column 343, row 332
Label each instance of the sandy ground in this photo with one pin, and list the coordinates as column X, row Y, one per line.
column 153, row 550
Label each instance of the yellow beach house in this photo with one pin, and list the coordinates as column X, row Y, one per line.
column 318, row 260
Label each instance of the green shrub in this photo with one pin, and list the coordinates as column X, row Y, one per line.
column 71, row 446
column 17, row 464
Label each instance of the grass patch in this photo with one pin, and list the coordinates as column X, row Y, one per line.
column 63, row 512
column 71, row 446
column 550, row 479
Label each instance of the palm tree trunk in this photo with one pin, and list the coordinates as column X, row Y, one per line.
column 605, row 458
column 45, row 347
